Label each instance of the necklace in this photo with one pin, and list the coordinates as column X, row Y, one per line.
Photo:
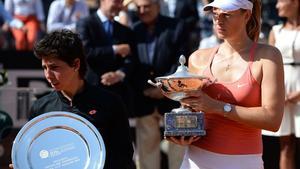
column 227, row 67
column 225, row 60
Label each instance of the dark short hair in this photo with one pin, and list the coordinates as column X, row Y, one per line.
column 64, row 45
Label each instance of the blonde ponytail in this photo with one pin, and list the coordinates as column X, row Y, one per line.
column 254, row 24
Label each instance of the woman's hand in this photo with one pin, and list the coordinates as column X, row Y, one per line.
column 11, row 166
column 197, row 101
column 182, row 140
column 293, row 97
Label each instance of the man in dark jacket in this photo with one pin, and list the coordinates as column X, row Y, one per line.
column 110, row 50
column 159, row 45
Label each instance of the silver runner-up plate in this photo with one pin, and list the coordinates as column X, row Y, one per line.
column 58, row 140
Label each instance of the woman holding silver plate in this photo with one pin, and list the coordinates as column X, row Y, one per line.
column 63, row 61
column 247, row 95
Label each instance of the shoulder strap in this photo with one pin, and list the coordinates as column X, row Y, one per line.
column 211, row 57
column 213, row 53
column 252, row 53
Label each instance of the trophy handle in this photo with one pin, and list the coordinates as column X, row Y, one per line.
column 157, row 84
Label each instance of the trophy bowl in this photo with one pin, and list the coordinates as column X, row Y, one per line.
column 182, row 121
column 175, row 87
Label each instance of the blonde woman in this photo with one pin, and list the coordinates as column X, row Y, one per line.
column 248, row 94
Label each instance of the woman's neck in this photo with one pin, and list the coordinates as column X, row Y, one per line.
column 70, row 93
column 238, row 46
column 293, row 21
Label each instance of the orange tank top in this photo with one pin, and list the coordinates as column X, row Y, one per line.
column 226, row 136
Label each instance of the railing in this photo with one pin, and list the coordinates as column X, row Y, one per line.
column 16, row 101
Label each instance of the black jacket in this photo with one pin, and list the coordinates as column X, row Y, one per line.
column 187, row 10
column 100, row 55
column 98, row 47
column 169, row 34
column 110, row 119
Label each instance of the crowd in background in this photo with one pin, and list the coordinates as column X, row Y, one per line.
column 41, row 17
column 143, row 41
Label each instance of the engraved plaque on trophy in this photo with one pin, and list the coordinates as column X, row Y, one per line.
column 58, row 140
column 182, row 121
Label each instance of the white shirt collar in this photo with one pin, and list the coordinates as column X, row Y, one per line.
column 102, row 17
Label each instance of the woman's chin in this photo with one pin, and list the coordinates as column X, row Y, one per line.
column 56, row 87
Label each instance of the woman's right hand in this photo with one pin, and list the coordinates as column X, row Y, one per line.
column 182, row 140
column 11, row 166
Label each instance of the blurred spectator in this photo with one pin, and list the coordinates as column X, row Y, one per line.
column 187, row 11
column 110, row 50
column 269, row 12
column 212, row 40
column 92, row 5
column 206, row 21
column 128, row 15
column 286, row 37
column 7, row 21
column 264, row 32
column 31, row 13
column 208, row 36
column 65, row 14
column 159, row 44
column 209, row 42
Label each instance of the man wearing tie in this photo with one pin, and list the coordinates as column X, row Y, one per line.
column 110, row 50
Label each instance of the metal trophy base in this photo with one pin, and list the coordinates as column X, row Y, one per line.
column 183, row 122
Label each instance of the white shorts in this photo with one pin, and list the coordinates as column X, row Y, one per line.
column 197, row 158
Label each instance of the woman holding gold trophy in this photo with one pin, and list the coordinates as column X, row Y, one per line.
column 247, row 95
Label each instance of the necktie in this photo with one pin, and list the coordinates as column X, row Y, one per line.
column 108, row 28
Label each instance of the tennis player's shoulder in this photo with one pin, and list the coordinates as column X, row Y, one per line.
column 201, row 57
column 268, row 52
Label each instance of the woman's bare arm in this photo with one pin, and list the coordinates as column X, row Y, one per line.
column 268, row 116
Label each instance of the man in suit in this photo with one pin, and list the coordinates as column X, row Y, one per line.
column 159, row 45
column 110, row 49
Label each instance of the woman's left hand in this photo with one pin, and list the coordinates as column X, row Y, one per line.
column 199, row 101
column 183, row 140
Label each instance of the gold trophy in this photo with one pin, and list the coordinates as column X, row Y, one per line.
column 182, row 121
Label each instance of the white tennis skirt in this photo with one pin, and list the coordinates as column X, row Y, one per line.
column 197, row 158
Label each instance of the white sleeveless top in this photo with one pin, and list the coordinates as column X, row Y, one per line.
column 288, row 42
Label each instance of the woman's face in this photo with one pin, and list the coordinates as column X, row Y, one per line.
column 59, row 74
column 287, row 8
column 228, row 23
